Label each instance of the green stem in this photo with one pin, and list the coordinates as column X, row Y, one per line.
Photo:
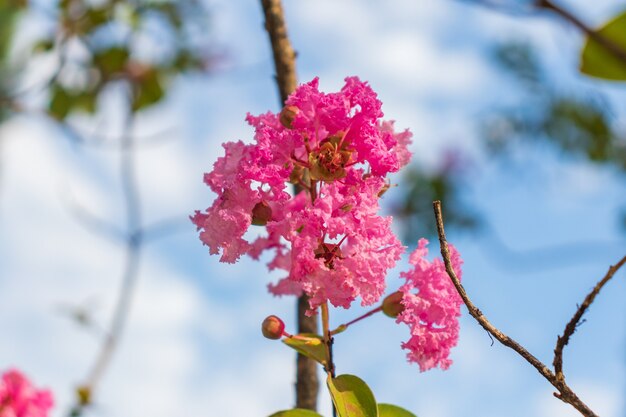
column 343, row 327
column 328, row 342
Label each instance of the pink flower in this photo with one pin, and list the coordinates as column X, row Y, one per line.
column 329, row 239
column 341, row 248
column 432, row 313
column 18, row 398
column 227, row 220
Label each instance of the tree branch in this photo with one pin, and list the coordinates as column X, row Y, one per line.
column 617, row 51
column 307, row 382
column 570, row 328
column 564, row 393
column 284, row 55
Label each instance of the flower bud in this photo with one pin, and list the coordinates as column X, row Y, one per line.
column 287, row 115
column 392, row 304
column 273, row 327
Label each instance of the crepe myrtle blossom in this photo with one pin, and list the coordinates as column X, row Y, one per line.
column 330, row 239
column 432, row 312
column 340, row 247
column 19, row 398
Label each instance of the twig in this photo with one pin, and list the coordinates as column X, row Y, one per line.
column 343, row 327
column 96, row 224
column 307, row 382
column 615, row 49
column 328, row 342
column 564, row 393
column 570, row 328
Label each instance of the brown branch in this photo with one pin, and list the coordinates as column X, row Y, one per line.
column 570, row 328
column 284, row 55
column 307, row 382
column 564, row 393
column 615, row 49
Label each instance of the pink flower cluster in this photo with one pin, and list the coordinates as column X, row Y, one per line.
column 432, row 313
column 19, row 398
column 329, row 239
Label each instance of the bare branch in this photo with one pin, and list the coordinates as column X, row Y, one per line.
column 570, row 328
column 564, row 393
column 284, row 55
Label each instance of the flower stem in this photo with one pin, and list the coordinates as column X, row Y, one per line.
column 328, row 342
column 344, row 326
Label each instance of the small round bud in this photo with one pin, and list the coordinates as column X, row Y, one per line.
column 273, row 327
column 392, row 305
column 261, row 214
column 287, row 115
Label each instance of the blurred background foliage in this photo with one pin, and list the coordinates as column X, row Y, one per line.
column 578, row 124
column 143, row 45
column 89, row 47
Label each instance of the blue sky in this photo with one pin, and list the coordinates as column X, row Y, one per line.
column 193, row 344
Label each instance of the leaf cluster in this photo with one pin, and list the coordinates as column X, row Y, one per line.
column 101, row 44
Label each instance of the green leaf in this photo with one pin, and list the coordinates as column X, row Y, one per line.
column 296, row 412
column 308, row 344
column 112, row 60
column 86, row 101
column 599, row 61
column 388, row 410
column 60, row 102
column 148, row 90
column 352, row 397
column 43, row 45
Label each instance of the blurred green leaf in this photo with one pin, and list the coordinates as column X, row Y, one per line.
column 97, row 17
column 352, row 397
column 520, row 59
column 296, row 412
column 420, row 189
column 599, row 61
column 309, row 345
column 579, row 127
column 86, row 101
column 43, row 45
column 388, row 410
column 111, row 61
column 60, row 102
column 148, row 90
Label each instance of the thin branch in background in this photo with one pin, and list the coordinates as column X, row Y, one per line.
column 617, row 51
column 564, row 393
column 515, row 8
column 165, row 228
column 307, row 382
column 112, row 143
column 133, row 243
column 570, row 328
column 96, row 224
